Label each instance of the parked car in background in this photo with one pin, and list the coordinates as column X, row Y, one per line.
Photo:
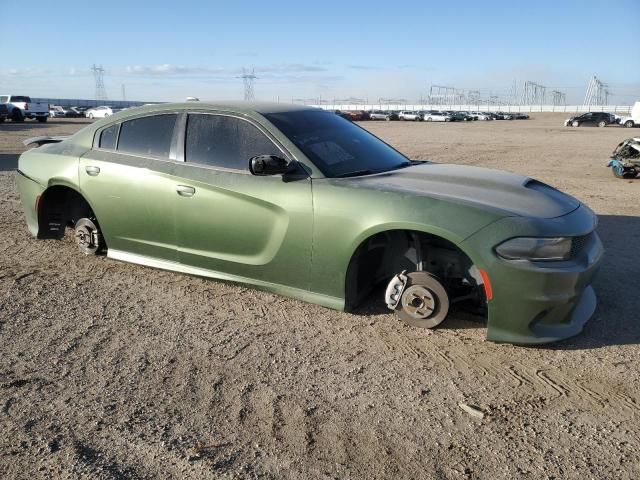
column 99, row 112
column 409, row 115
column 74, row 112
column 470, row 115
column 460, row 117
column 4, row 113
column 21, row 107
column 351, row 115
column 633, row 120
column 503, row 116
column 57, row 111
column 600, row 119
column 436, row 116
column 482, row 115
column 311, row 206
column 344, row 115
column 380, row 115
column 520, row 116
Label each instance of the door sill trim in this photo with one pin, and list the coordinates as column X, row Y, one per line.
column 298, row 293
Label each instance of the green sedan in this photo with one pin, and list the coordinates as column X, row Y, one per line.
column 301, row 202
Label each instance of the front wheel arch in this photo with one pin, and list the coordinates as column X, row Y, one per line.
column 59, row 207
column 370, row 261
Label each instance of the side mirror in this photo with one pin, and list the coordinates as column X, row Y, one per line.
column 263, row 165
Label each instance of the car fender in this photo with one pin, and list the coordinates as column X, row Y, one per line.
column 415, row 227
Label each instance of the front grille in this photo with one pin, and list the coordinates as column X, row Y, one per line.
column 579, row 243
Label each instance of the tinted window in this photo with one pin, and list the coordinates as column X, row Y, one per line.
column 108, row 137
column 337, row 147
column 223, row 141
column 149, row 136
column 21, row 99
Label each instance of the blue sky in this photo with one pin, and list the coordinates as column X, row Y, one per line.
column 167, row 50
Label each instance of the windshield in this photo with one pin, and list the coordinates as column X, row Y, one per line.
column 336, row 146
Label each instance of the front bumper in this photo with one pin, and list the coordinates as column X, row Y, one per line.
column 541, row 302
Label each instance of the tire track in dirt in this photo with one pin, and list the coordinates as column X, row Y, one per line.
column 552, row 384
column 531, row 382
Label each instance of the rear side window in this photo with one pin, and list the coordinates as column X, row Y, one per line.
column 148, row 136
column 21, row 99
column 223, row 141
column 108, row 137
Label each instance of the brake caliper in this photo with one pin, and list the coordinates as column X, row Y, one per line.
column 395, row 289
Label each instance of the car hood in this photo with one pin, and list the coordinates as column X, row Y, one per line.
column 509, row 193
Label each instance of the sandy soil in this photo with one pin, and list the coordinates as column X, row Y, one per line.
column 114, row 371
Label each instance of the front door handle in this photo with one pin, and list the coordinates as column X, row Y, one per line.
column 185, row 190
column 91, row 170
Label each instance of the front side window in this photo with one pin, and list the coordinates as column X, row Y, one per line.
column 148, row 136
column 108, row 137
column 223, row 141
column 336, row 146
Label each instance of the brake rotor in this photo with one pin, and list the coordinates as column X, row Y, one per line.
column 424, row 302
column 87, row 236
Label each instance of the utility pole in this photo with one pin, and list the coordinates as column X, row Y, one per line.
column 124, row 96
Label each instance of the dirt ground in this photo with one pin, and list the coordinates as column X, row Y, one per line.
column 115, row 371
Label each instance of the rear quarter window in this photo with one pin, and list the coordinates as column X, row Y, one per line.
column 108, row 137
column 148, row 136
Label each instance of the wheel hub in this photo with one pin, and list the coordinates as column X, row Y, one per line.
column 84, row 238
column 419, row 302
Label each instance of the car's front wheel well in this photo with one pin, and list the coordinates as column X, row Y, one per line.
column 59, row 207
column 383, row 255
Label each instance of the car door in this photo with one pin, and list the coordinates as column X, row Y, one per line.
column 128, row 179
column 232, row 222
column 588, row 119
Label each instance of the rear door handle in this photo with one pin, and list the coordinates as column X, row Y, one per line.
column 91, row 170
column 185, row 190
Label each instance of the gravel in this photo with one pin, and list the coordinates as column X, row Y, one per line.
column 115, row 371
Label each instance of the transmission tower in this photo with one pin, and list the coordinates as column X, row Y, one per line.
column 473, row 97
column 558, row 98
column 528, row 93
column 98, row 75
column 248, row 79
column 441, row 95
column 597, row 93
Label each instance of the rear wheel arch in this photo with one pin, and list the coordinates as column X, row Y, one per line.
column 60, row 206
column 383, row 254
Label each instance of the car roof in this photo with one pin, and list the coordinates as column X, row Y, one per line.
column 235, row 106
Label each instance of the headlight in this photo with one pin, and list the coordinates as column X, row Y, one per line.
column 535, row 249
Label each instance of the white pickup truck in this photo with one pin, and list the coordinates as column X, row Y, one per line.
column 20, row 107
column 632, row 120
